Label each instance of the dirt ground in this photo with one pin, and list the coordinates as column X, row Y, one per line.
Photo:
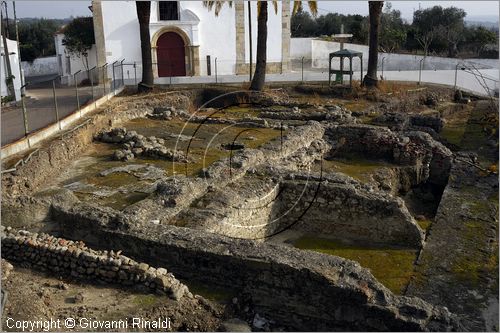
column 33, row 295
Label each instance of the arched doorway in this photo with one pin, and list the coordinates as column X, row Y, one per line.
column 171, row 55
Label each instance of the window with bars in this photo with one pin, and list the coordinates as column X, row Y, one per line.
column 168, row 10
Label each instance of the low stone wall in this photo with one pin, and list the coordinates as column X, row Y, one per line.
column 299, row 289
column 73, row 258
column 430, row 159
column 346, row 211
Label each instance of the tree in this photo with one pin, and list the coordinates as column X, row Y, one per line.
column 375, row 9
column 79, row 38
column 393, row 29
column 143, row 12
column 453, row 26
column 36, row 37
column 477, row 38
column 439, row 29
column 259, row 77
column 303, row 25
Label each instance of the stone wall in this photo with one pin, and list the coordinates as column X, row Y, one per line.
column 73, row 258
column 431, row 161
column 176, row 193
column 346, row 211
column 41, row 66
column 299, row 289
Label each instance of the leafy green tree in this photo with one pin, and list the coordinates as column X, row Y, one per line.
column 439, row 29
column 79, row 38
column 393, row 30
column 36, row 38
column 477, row 38
column 303, row 24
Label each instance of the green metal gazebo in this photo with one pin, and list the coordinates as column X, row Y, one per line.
column 344, row 53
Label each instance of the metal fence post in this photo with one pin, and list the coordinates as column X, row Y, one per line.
column 55, row 102
column 302, row 62
column 420, row 70
column 135, row 73
column 216, row 79
column 383, row 58
column 456, row 75
column 121, row 63
column 104, row 78
column 170, row 78
column 91, row 76
column 25, row 114
column 114, row 85
column 76, row 89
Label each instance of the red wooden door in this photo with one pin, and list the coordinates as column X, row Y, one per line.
column 171, row 55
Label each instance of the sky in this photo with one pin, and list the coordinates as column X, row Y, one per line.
column 488, row 10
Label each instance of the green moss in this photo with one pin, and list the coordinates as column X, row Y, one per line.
column 234, row 112
column 424, row 224
column 355, row 167
column 453, row 133
column 113, row 180
column 215, row 294
column 145, row 301
column 393, row 267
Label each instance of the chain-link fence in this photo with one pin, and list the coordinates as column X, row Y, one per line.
column 48, row 101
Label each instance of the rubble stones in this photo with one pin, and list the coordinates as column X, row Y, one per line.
column 45, row 252
column 167, row 113
column 136, row 145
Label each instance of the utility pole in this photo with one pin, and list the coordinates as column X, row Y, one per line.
column 250, row 35
column 7, row 18
column 9, row 80
column 18, row 45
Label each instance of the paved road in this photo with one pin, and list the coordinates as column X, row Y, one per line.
column 40, row 109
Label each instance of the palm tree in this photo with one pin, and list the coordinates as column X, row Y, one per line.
column 259, row 77
column 143, row 13
column 375, row 8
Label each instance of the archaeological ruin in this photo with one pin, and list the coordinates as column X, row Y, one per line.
column 297, row 208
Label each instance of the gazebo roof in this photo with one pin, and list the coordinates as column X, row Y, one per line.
column 346, row 53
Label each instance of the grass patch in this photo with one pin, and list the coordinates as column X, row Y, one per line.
column 393, row 267
column 215, row 294
column 145, row 301
column 424, row 224
column 357, row 168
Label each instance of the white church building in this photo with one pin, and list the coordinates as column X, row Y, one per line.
column 189, row 40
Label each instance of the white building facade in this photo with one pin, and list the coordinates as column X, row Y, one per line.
column 69, row 64
column 189, row 40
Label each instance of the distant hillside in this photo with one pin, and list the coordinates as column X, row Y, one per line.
column 487, row 21
column 59, row 22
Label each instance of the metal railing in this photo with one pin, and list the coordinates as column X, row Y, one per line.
column 45, row 102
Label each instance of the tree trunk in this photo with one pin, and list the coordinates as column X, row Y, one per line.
column 375, row 7
column 259, row 77
column 143, row 13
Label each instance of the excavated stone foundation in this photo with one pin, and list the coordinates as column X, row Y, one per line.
column 208, row 194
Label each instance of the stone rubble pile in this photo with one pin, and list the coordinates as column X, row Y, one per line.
column 319, row 113
column 397, row 121
column 73, row 258
column 135, row 145
column 167, row 113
